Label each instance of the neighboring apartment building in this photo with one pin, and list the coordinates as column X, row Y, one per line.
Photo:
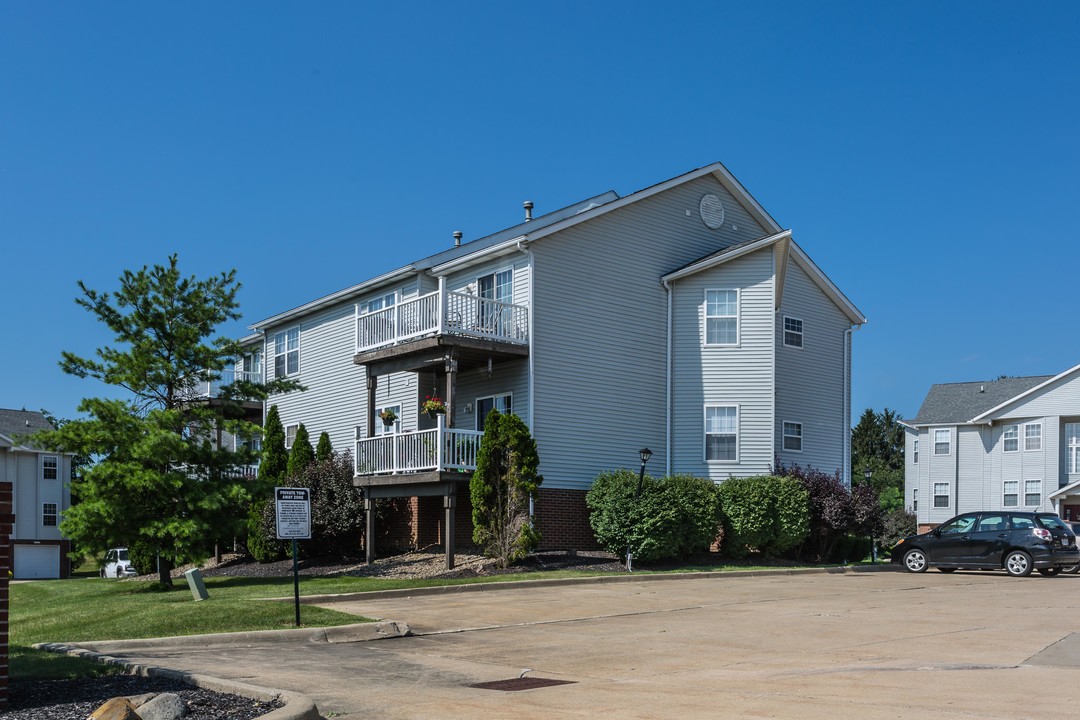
column 995, row 445
column 681, row 318
column 40, row 481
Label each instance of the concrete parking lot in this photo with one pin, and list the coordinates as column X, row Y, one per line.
column 816, row 645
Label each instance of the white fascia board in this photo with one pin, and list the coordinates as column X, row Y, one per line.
column 736, row 188
column 723, row 257
column 332, row 299
column 822, row 281
column 502, row 248
column 987, row 416
column 1065, row 490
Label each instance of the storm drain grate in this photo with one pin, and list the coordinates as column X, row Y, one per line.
column 523, row 683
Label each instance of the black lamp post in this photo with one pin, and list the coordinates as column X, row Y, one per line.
column 644, row 454
column 867, row 472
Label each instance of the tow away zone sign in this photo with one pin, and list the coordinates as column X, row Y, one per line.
column 292, row 508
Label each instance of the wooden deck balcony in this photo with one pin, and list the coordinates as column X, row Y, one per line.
column 437, row 451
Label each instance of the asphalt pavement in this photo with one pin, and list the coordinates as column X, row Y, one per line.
column 828, row 645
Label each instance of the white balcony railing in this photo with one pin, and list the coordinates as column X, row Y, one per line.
column 212, row 388
column 442, row 449
column 441, row 313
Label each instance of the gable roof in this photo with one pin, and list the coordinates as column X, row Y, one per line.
column 961, row 403
column 535, row 229
column 1047, row 382
column 786, row 247
column 17, row 423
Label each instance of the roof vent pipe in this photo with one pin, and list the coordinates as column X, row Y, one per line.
column 982, row 388
column 528, row 205
column 457, row 238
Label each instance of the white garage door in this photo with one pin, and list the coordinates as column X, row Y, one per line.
column 36, row 561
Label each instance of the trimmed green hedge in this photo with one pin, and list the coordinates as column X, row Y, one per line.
column 674, row 517
column 765, row 514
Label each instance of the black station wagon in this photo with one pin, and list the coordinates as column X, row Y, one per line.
column 1019, row 542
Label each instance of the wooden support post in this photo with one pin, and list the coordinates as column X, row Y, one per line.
column 372, row 383
column 451, row 390
column 369, row 530
column 449, row 504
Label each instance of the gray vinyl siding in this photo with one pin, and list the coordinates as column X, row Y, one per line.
column 810, row 380
column 740, row 375
column 518, row 262
column 937, row 468
column 335, row 394
column 975, row 490
column 915, row 496
column 599, row 322
column 509, row 378
column 1060, row 398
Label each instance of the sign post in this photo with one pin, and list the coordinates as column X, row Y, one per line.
column 292, row 512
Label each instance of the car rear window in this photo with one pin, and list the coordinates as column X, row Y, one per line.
column 1052, row 522
column 123, row 555
column 1022, row 521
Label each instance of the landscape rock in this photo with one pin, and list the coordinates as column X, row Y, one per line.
column 166, row 706
column 118, row 708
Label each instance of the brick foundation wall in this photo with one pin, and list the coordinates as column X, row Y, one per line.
column 6, row 521
column 563, row 520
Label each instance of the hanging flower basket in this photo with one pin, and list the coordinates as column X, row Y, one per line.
column 433, row 405
column 388, row 417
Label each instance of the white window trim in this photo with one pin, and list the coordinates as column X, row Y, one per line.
column 54, row 514
column 295, row 428
column 784, row 436
column 934, row 494
column 1039, row 437
column 915, row 451
column 365, row 306
column 1072, row 443
column 476, row 406
column 55, row 459
column 706, row 317
column 1004, row 493
column 1005, row 429
column 276, row 354
column 705, row 434
column 800, row 333
column 1024, row 490
column 380, row 426
column 934, row 442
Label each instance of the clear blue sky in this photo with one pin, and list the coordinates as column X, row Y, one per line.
column 925, row 154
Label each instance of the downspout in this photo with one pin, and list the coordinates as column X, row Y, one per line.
column 667, row 382
column 523, row 246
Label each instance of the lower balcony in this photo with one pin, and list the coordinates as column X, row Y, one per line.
column 442, row 450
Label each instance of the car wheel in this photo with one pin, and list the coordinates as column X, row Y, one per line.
column 946, row 570
column 915, row 561
column 1050, row 572
column 1072, row 570
column 1018, row 563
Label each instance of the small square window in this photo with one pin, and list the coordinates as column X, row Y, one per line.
column 1032, row 493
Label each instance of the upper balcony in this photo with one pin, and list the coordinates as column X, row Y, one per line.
column 403, row 332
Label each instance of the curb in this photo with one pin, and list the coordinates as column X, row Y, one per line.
column 295, row 705
column 596, row 579
column 357, row 632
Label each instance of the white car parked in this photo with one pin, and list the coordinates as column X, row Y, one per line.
column 117, row 564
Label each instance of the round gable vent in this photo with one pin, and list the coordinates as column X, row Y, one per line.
column 712, row 211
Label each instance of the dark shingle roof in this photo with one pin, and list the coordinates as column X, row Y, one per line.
column 16, row 423
column 960, row 402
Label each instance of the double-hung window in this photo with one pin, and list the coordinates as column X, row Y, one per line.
column 290, row 435
column 793, row 335
column 942, row 444
column 1010, row 493
column 1032, row 493
column 49, row 514
column 503, row 403
column 1010, row 438
column 721, row 432
column 721, row 317
column 50, row 467
column 1033, row 436
column 793, row 436
column 941, row 495
column 915, row 452
column 287, row 352
column 1072, row 443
